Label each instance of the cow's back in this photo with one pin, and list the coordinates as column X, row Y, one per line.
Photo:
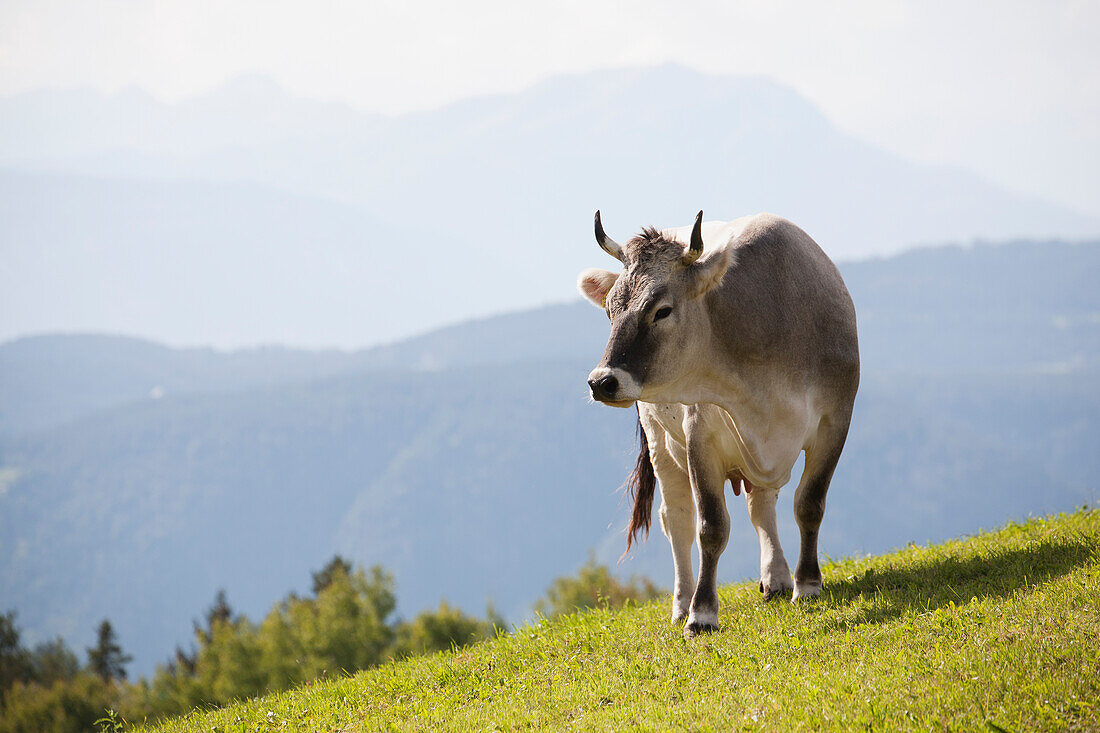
column 783, row 305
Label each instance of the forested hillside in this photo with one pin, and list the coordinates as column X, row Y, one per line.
column 136, row 480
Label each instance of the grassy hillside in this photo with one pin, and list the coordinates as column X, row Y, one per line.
column 998, row 631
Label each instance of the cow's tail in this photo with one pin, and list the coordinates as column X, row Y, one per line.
column 641, row 484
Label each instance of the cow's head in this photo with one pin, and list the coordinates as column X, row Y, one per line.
column 659, row 325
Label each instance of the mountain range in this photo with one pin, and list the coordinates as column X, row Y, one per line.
column 248, row 216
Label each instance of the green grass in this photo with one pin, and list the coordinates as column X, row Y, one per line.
column 996, row 632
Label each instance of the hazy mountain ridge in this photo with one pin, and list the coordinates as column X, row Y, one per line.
column 246, row 111
column 470, row 462
column 500, row 189
column 961, row 308
column 216, row 263
column 49, row 380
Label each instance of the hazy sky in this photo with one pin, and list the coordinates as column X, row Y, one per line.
column 1009, row 89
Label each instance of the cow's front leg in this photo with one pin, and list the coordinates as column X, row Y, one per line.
column 677, row 515
column 708, row 483
column 775, row 574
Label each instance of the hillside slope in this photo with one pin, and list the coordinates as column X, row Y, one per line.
column 995, row 631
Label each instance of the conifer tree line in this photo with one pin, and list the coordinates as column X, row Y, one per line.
column 345, row 625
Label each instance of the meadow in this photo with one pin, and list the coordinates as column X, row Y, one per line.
column 998, row 631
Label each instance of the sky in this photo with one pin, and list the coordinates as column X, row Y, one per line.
column 1007, row 89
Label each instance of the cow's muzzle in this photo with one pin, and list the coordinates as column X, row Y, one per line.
column 612, row 387
column 604, row 388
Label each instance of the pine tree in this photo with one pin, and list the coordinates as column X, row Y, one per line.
column 53, row 661
column 182, row 661
column 323, row 578
column 14, row 659
column 106, row 658
column 218, row 613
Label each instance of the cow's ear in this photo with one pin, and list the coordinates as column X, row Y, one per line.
column 595, row 284
column 708, row 272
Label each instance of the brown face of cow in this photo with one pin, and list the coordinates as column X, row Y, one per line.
column 658, row 319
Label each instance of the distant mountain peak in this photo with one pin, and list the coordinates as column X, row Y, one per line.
column 251, row 87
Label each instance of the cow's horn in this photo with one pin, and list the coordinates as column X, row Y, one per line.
column 608, row 244
column 696, row 247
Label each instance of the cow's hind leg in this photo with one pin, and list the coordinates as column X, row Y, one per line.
column 775, row 574
column 809, row 502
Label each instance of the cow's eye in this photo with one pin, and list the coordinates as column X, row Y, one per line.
column 662, row 313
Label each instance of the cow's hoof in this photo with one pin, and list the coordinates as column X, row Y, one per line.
column 695, row 628
column 773, row 593
column 804, row 591
column 681, row 609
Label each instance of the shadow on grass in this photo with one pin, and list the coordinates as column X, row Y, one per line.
column 936, row 584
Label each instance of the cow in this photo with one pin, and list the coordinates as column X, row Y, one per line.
column 737, row 343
